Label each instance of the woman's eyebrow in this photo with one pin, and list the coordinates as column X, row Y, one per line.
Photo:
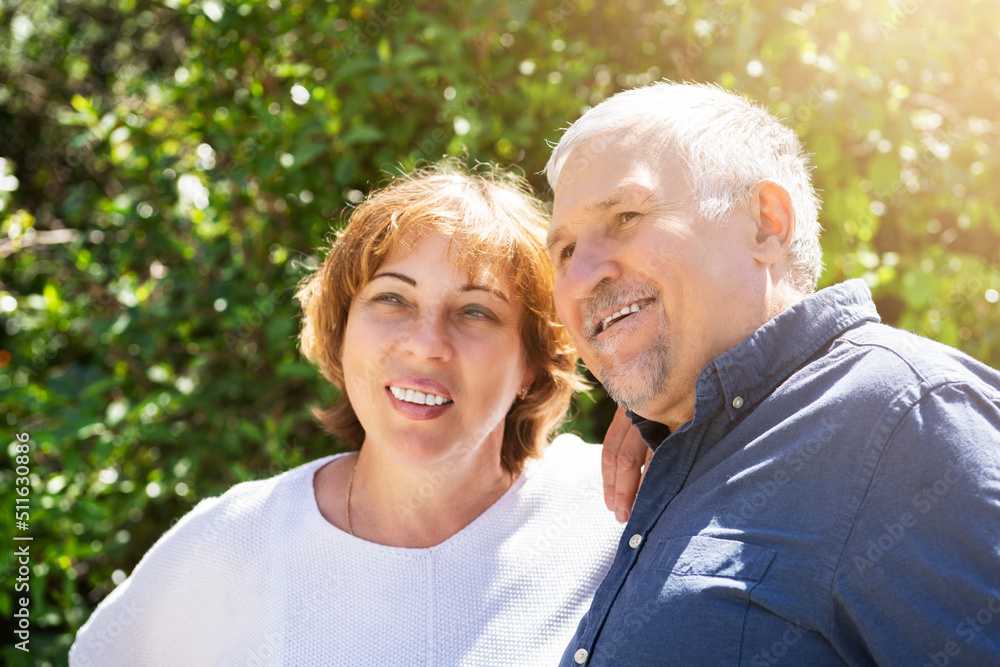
column 468, row 288
column 398, row 276
column 498, row 294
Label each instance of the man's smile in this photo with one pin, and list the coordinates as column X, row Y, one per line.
column 604, row 312
column 610, row 320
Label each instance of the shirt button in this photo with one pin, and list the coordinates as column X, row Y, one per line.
column 738, row 402
column 635, row 541
column 580, row 656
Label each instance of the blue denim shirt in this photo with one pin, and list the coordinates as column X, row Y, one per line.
column 834, row 500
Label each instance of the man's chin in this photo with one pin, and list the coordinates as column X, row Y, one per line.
column 633, row 389
column 630, row 400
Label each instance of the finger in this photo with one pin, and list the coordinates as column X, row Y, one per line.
column 616, row 433
column 632, row 456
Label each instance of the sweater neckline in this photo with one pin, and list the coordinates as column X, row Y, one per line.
column 481, row 523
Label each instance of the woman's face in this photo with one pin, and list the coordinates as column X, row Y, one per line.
column 433, row 357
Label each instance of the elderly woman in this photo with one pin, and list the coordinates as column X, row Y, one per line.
column 456, row 535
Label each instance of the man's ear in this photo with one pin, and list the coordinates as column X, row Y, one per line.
column 772, row 211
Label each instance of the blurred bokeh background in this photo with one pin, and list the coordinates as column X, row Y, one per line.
column 169, row 170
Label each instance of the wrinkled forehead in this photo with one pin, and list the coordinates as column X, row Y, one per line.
column 617, row 169
column 606, row 160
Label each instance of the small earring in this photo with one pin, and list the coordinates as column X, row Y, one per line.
column 524, row 392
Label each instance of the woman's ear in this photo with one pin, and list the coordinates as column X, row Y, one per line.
column 527, row 380
column 773, row 214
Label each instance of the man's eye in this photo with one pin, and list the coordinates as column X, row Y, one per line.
column 567, row 251
column 627, row 216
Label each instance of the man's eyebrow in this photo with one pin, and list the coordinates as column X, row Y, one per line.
column 473, row 287
column 553, row 240
column 605, row 204
column 627, row 192
column 398, row 276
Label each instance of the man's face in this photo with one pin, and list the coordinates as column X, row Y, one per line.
column 649, row 292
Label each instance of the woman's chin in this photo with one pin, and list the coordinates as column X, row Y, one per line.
column 434, row 446
column 418, row 452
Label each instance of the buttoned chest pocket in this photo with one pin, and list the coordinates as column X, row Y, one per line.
column 685, row 602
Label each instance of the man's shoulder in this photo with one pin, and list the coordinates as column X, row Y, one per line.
column 895, row 356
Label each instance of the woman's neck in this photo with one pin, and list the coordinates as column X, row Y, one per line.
column 415, row 506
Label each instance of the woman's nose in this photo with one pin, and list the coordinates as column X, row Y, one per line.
column 429, row 338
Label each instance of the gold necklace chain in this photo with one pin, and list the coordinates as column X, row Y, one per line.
column 350, row 485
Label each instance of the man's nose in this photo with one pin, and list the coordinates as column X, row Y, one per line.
column 592, row 262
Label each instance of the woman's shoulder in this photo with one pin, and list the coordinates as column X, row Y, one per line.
column 573, row 457
column 569, row 472
column 248, row 504
column 197, row 584
column 571, row 444
column 246, row 496
column 561, row 502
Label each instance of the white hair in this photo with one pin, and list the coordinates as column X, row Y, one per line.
column 728, row 144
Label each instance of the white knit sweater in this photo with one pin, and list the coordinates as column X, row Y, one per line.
column 259, row 577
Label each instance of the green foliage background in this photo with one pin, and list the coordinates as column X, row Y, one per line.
column 169, row 168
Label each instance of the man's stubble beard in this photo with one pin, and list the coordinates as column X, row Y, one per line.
column 636, row 384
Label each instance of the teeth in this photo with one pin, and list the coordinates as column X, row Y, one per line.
column 417, row 397
column 632, row 308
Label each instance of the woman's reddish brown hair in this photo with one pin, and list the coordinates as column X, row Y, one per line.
column 495, row 225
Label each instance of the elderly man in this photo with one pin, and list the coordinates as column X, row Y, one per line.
column 824, row 489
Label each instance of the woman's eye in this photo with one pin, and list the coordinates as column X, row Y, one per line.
column 627, row 216
column 566, row 252
column 387, row 297
column 476, row 312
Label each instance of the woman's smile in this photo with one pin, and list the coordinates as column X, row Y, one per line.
column 419, row 398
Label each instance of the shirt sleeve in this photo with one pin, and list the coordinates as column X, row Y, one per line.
column 919, row 579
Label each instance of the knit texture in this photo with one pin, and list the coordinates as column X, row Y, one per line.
column 259, row 577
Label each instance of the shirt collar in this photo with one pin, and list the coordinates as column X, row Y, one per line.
column 751, row 370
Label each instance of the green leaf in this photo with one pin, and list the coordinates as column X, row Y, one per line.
column 308, row 152
column 362, row 133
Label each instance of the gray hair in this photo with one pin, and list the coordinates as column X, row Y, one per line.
column 728, row 144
